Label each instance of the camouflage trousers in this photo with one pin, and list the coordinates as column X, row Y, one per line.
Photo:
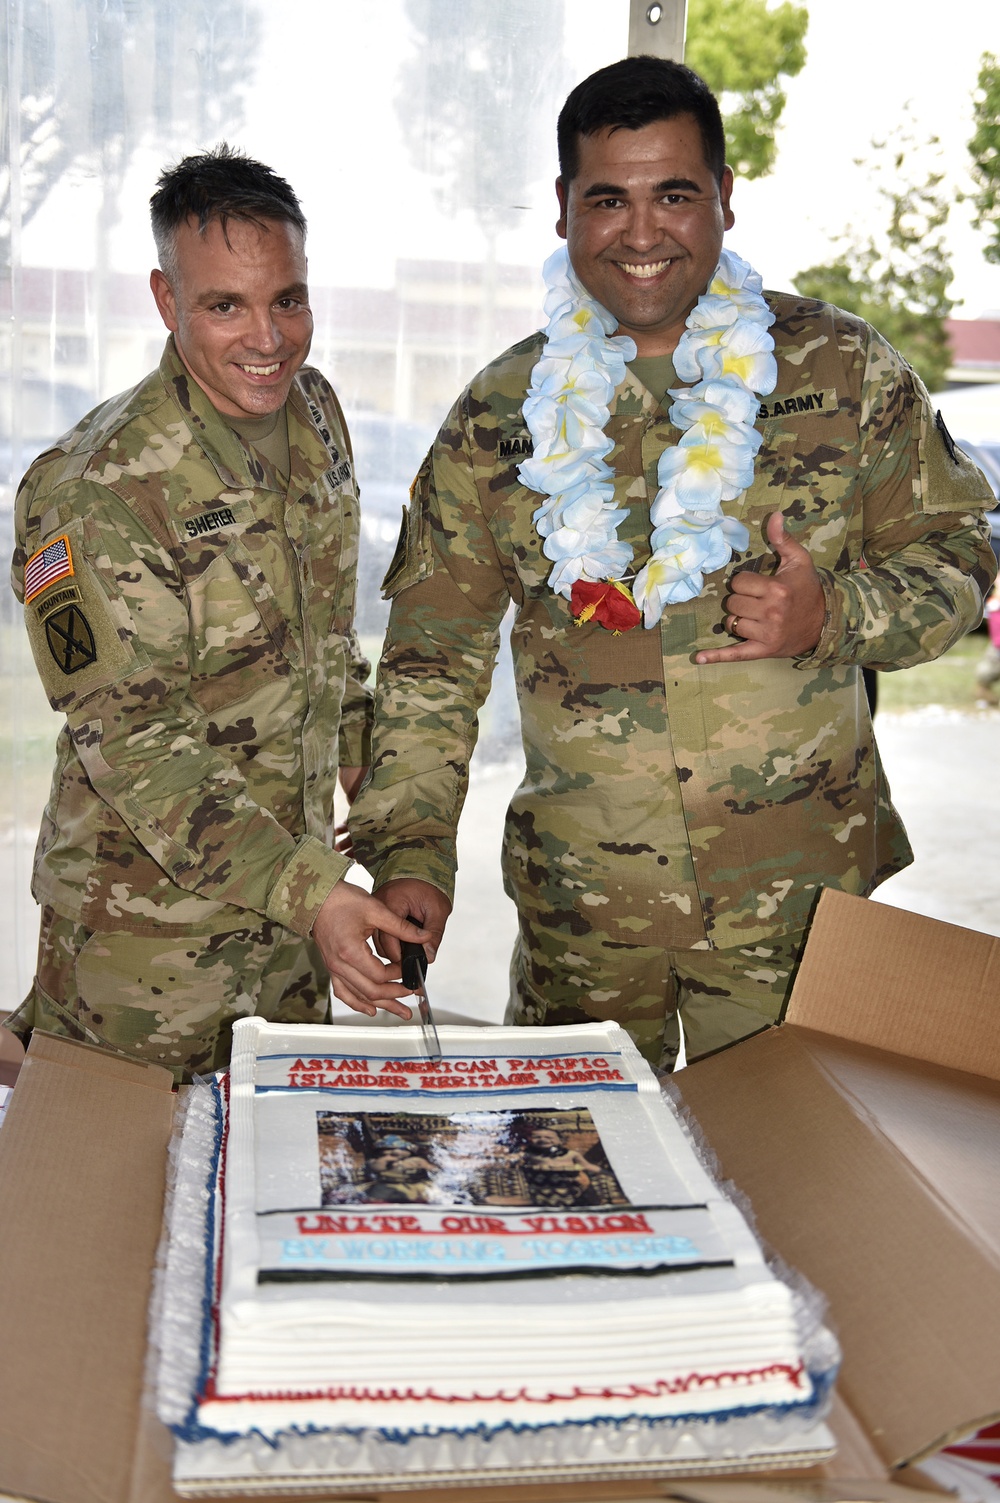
column 172, row 1002
column 719, row 996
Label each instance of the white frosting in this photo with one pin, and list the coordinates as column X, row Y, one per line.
column 448, row 1352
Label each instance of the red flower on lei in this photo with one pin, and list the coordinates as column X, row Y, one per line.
column 608, row 602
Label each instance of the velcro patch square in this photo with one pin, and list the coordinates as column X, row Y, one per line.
column 47, row 567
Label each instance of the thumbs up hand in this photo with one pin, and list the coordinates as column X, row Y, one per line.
column 777, row 615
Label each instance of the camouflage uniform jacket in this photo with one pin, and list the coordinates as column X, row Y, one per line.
column 193, row 621
column 666, row 803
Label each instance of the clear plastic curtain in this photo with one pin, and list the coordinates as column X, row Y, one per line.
column 419, row 135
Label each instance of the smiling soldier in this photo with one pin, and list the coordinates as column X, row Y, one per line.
column 187, row 557
column 710, row 506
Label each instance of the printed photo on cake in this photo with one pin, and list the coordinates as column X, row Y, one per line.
column 514, row 1158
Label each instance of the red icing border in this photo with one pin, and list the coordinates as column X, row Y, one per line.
column 694, row 1382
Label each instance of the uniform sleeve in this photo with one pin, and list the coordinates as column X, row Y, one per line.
column 927, row 564
column 354, row 748
column 448, row 596
column 111, row 638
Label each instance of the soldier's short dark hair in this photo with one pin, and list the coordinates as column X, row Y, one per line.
column 634, row 92
column 222, row 184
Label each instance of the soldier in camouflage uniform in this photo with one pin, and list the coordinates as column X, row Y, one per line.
column 186, row 557
column 688, row 788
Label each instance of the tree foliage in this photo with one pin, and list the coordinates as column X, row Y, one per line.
column 743, row 49
column 478, row 101
column 985, row 151
column 898, row 280
column 94, row 79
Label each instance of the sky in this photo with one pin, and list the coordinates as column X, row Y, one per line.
column 320, row 108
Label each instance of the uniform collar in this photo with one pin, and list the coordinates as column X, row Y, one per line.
column 308, row 454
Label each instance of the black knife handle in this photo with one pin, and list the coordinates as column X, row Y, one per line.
column 414, row 961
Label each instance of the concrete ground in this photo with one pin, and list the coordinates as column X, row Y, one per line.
column 943, row 768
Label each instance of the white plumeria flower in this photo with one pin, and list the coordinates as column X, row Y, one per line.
column 610, row 563
column 701, row 470
column 689, row 356
column 580, row 506
column 711, row 420
column 584, row 542
column 659, row 583
column 567, row 428
column 676, row 572
column 710, row 541
column 736, row 534
column 733, row 275
column 713, row 311
column 730, row 397
column 745, row 351
column 726, row 355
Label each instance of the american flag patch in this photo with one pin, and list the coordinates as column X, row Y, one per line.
column 44, row 568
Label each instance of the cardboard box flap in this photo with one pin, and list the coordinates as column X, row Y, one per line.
column 778, row 1491
column 912, row 1293
column 76, row 1054
column 901, row 982
column 82, row 1161
column 945, row 1123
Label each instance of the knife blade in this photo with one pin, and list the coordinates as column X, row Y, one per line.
column 414, row 960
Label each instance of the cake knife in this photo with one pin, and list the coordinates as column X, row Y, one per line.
column 414, row 960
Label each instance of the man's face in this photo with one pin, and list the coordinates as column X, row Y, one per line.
column 644, row 219
column 239, row 312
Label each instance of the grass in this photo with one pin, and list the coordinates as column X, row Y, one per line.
column 28, row 727
column 949, row 681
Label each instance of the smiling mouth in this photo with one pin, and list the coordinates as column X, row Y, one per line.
column 260, row 370
column 649, row 269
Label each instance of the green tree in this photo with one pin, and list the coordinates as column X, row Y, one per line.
column 91, row 80
column 898, row 280
column 744, row 49
column 985, row 151
column 478, row 100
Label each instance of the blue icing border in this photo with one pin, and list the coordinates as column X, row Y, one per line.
column 192, row 1431
column 487, row 1093
column 807, row 1408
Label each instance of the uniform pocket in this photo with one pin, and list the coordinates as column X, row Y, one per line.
column 238, row 631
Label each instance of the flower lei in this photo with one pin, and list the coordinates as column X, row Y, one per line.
column 727, row 352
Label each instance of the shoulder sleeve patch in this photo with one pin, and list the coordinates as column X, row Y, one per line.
column 47, row 567
column 413, row 559
column 74, row 634
column 950, row 480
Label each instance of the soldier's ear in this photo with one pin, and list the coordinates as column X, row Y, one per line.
column 561, row 194
column 725, row 194
column 163, row 295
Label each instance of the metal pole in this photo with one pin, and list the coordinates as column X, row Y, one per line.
column 657, row 29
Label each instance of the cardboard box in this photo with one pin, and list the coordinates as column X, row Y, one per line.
column 865, row 1130
column 11, row 1055
column 866, row 1133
